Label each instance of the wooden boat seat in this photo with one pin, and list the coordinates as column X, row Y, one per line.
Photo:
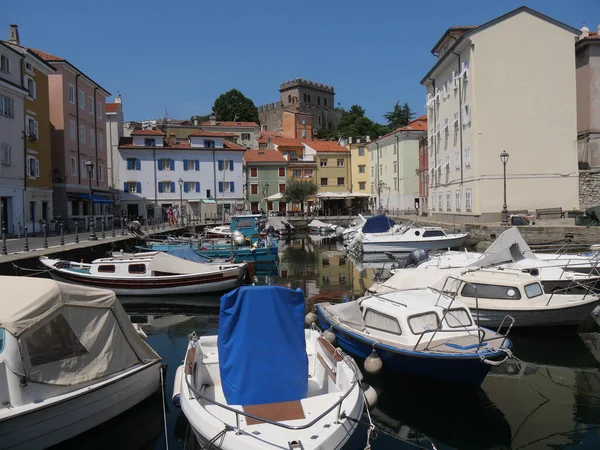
column 276, row 412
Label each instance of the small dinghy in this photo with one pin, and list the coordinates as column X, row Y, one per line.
column 316, row 226
column 422, row 332
column 265, row 382
column 156, row 274
column 70, row 359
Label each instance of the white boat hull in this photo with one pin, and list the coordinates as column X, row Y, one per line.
column 52, row 421
column 408, row 246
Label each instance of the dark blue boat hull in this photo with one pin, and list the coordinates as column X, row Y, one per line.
column 453, row 368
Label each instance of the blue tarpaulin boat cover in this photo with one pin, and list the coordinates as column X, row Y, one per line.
column 262, row 349
column 188, row 254
column 378, row 224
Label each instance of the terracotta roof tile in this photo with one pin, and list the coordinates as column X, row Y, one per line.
column 232, row 145
column 286, row 142
column 147, row 133
column 265, row 156
column 229, row 124
column 326, row 146
column 112, row 108
column 205, row 133
column 418, row 124
column 46, row 56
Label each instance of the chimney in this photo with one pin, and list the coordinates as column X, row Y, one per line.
column 118, row 97
column 585, row 32
column 195, row 120
column 213, row 120
column 368, row 139
column 171, row 140
column 13, row 34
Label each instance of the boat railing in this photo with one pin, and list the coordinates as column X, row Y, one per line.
column 588, row 285
column 238, row 413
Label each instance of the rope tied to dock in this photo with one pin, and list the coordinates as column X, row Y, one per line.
column 491, row 362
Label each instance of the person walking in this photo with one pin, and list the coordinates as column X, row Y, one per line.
column 170, row 216
column 176, row 216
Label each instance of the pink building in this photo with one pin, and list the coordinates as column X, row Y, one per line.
column 77, row 117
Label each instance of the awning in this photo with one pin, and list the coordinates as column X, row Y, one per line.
column 342, row 195
column 208, row 200
column 95, row 198
column 273, row 197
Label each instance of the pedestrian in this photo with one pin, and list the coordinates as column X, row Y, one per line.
column 170, row 216
column 175, row 216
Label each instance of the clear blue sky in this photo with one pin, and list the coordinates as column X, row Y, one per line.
column 183, row 54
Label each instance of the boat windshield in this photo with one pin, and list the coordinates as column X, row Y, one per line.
column 492, row 291
column 533, row 290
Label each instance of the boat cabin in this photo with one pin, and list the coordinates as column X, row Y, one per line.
column 507, row 284
column 425, row 232
column 249, row 225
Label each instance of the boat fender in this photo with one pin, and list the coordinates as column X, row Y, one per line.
column 373, row 363
column 370, row 395
column 177, row 387
column 310, row 318
column 329, row 337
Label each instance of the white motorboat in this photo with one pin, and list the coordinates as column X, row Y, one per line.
column 280, row 225
column 157, row 274
column 287, row 389
column 420, row 332
column 220, row 231
column 350, row 231
column 70, row 359
column 316, row 226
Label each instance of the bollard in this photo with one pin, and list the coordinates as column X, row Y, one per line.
column 146, row 224
column 113, row 227
column 4, row 250
column 45, row 230
column 77, row 232
column 62, row 234
column 26, row 246
column 19, row 231
column 103, row 233
column 122, row 229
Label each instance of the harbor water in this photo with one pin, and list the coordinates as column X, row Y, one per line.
column 547, row 397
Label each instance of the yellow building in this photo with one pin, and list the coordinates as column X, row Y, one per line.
column 38, row 158
column 359, row 165
column 333, row 165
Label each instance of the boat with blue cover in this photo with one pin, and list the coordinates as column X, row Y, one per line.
column 422, row 332
column 285, row 388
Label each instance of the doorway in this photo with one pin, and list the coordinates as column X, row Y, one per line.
column 132, row 211
column 45, row 211
column 4, row 213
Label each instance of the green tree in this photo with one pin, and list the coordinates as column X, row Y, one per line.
column 297, row 191
column 399, row 116
column 354, row 123
column 235, row 106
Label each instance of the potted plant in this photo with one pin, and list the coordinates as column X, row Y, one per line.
column 52, row 225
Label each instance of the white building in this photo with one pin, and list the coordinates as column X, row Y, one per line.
column 114, row 132
column 156, row 173
column 507, row 85
column 394, row 164
column 12, row 160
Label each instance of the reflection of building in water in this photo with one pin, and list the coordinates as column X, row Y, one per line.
column 535, row 421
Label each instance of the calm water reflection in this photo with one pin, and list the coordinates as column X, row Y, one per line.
column 550, row 401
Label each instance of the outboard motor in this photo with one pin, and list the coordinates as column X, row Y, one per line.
column 238, row 238
column 417, row 257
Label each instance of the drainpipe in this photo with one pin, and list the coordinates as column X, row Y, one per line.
column 435, row 147
column 24, row 148
column 155, row 183
column 77, row 126
column 112, row 167
column 96, row 137
column 378, row 180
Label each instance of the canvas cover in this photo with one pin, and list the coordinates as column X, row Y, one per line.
column 164, row 262
column 508, row 247
column 318, row 224
column 378, row 224
column 262, row 349
column 68, row 333
column 348, row 313
column 189, row 254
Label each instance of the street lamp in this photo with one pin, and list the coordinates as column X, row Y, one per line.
column 181, row 200
column 89, row 167
column 504, row 158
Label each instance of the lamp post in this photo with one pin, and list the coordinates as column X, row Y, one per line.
column 504, row 158
column 181, row 200
column 89, row 167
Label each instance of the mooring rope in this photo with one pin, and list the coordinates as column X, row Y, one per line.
column 163, row 400
column 379, row 430
column 220, row 434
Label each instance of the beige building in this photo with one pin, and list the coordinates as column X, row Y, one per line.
column 360, row 179
column 507, row 85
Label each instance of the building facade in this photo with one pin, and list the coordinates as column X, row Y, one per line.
column 115, row 130
column 77, row 118
column 333, row 165
column 245, row 134
column 360, row 170
column 394, row 162
column 265, row 175
column 157, row 173
column 423, row 174
column 304, row 107
column 475, row 112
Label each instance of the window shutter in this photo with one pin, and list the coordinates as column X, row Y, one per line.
column 220, row 185
column 139, row 187
column 231, row 188
column 126, row 186
column 159, row 165
column 138, row 164
column 212, row 144
column 185, row 166
column 172, row 164
column 220, row 165
column 37, row 167
column 172, row 185
column 231, row 165
column 198, row 166
column 28, row 167
column 186, row 187
column 197, row 184
column 160, row 186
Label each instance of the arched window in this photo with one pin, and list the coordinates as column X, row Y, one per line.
column 330, row 125
column 308, row 98
column 318, row 101
column 304, row 97
column 290, row 98
column 325, row 101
